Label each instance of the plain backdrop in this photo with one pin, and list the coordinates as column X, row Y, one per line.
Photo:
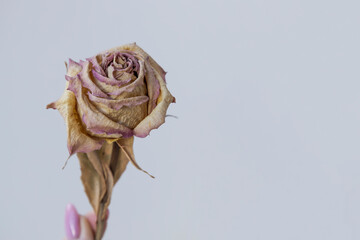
column 266, row 144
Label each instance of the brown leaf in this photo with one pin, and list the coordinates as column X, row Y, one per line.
column 126, row 145
column 100, row 170
column 93, row 182
column 98, row 181
column 118, row 162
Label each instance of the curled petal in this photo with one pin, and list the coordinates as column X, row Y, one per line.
column 153, row 86
column 157, row 116
column 95, row 122
column 68, row 78
column 110, row 132
column 133, row 60
column 131, row 115
column 140, row 53
column 88, row 83
column 133, row 85
column 117, row 104
column 110, row 81
column 107, row 88
column 73, row 68
column 78, row 139
column 95, row 65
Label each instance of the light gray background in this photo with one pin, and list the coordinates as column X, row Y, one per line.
column 267, row 141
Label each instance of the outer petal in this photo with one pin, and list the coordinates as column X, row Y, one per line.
column 130, row 113
column 118, row 104
column 73, row 68
column 157, row 116
column 78, row 140
column 153, row 86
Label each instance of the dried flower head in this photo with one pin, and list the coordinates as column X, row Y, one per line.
column 116, row 94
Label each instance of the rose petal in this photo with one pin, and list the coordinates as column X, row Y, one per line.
column 157, row 116
column 95, row 65
column 78, row 140
column 110, row 81
column 73, row 68
column 117, row 104
column 101, row 130
column 133, row 85
column 140, row 52
column 153, row 86
column 88, row 83
column 130, row 116
column 107, row 88
column 134, row 61
column 95, row 122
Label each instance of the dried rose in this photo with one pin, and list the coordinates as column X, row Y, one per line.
column 116, row 94
column 109, row 98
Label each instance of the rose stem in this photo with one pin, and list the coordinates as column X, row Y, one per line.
column 100, row 223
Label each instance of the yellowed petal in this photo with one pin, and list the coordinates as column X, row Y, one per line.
column 157, row 116
column 78, row 139
column 73, row 68
column 96, row 123
column 153, row 86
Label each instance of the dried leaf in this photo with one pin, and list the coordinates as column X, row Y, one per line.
column 101, row 169
column 126, row 145
column 118, row 162
column 93, row 182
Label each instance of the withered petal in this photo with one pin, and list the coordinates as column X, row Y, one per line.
column 153, row 86
column 139, row 52
column 118, row 104
column 78, row 139
column 95, row 65
column 97, row 123
column 73, row 68
column 110, row 81
column 157, row 116
column 87, row 83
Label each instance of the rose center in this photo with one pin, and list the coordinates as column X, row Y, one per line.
column 119, row 64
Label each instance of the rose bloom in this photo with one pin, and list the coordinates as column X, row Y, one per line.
column 116, row 94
